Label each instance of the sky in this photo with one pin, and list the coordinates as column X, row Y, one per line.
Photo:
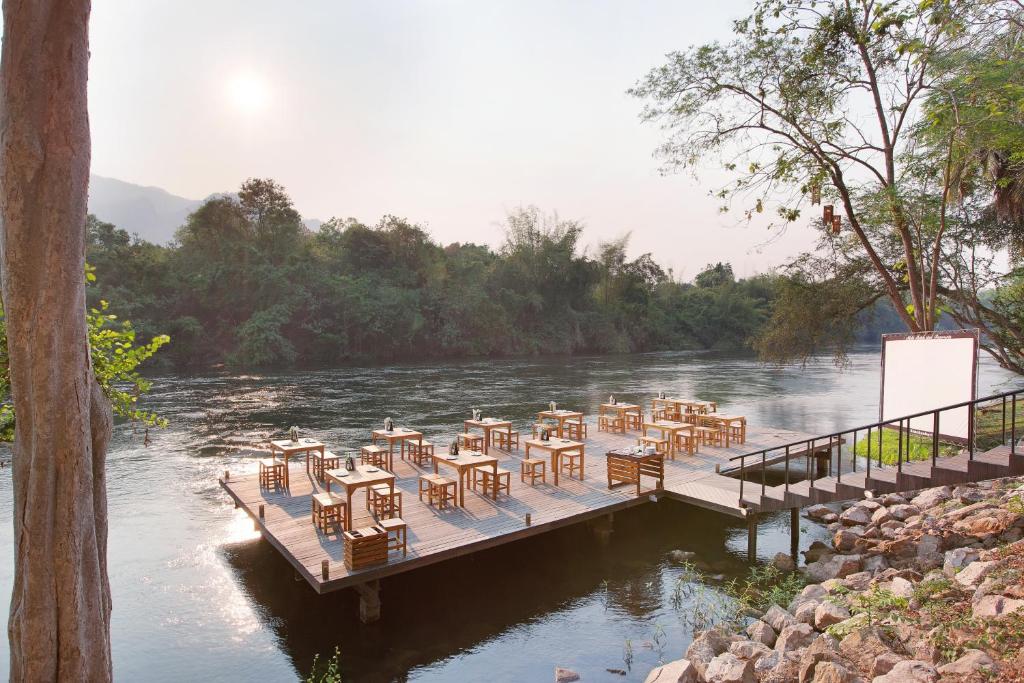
column 448, row 113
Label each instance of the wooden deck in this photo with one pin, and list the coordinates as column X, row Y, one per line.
column 437, row 535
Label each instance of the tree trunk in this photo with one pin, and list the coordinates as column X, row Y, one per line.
column 59, row 626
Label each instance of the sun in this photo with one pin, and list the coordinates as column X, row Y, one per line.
column 248, row 92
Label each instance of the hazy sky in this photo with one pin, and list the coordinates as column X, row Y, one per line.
column 447, row 113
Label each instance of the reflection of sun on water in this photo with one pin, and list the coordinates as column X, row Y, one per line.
column 240, row 529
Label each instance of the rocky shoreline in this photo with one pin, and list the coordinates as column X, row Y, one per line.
column 922, row 588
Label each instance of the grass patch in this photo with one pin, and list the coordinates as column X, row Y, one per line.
column 915, row 447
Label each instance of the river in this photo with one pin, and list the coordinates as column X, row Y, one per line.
column 198, row 596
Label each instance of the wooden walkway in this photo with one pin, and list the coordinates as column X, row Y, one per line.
column 437, row 535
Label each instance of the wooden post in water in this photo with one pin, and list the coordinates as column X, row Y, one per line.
column 794, row 534
column 602, row 528
column 369, row 601
column 751, row 537
column 325, row 569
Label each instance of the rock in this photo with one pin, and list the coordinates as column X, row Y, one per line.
column 794, row 637
column 563, row 675
column 778, row 618
column 766, row 663
column 881, row 516
column 863, row 645
column 958, row 558
column 858, row 581
column 901, row 588
column 679, row 671
column 681, row 556
column 830, row 518
column 814, row 591
column 910, row 671
column 972, row 574
column 995, row 606
column 783, row 562
column 893, row 499
column 858, row 515
column 972, row 662
column 867, row 504
column 969, row 494
column 705, row 647
column 931, row 497
column 828, row 613
column 761, row 632
column 928, row 552
column 748, row 649
column 904, row 512
column 845, row 539
column 816, row 551
column 818, row 512
column 831, row 672
column 804, row 612
column 824, row 648
column 875, row 564
column 837, row 566
column 728, row 668
column 884, row 663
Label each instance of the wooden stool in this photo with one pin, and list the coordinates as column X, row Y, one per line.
column 271, row 473
column 736, row 432
column 533, row 468
column 633, row 420
column 709, row 435
column 425, row 484
column 686, row 442
column 660, row 445
column 328, row 509
column 505, row 440
column 611, row 423
column 421, row 452
column 444, row 491
column 504, row 479
column 572, row 462
column 382, row 502
column 374, row 455
column 396, row 526
column 576, row 431
column 471, row 442
column 323, row 462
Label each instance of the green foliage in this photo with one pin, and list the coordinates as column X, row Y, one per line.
column 878, row 604
column 246, row 284
column 116, row 359
column 914, row 447
column 330, row 673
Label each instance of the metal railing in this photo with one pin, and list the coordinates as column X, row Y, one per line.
column 907, row 436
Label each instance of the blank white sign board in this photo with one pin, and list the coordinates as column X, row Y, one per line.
column 927, row 371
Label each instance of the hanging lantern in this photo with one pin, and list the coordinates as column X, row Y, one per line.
column 837, row 224
column 827, row 213
column 815, row 194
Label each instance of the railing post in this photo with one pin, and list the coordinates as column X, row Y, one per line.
column 899, row 449
column 839, row 457
column 743, row 459
column 1002, row 437
column 935, row 439
column 764, row 470
column 970, row 431
column 869, row 451
column 1013, row 425
column 854, row 450
column 880, row 429
column 787, row 469
column 812, row 467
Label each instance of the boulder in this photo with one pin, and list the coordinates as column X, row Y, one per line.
column 837, row 566
column 893, row 499
column 903, row 512
column 901, row 588
column 931, row 497
column 874, row 564
column 858, row 581
column 867, row 504
column 884, row 663
column 910, row 671
column 816, row 551
column 830, row 518
column 858, row 515
column 705, row 647
column 993, row 606
column 862, row 645
column 762, row 665
column 778, row 618
column 761, row 632
column 563, row 675
column 679, row 671
column 828, row 613
column 972, row 574
column 817, row 512
column 794, row 637
column 969, row 494
column 783, row 562
column 958, row 558
column 804, row 612
column 881, row 516
column 824, row 648
column 748, row 649
column 831, row 672
column 728, row 668
column 845, row 539
column 972, row 662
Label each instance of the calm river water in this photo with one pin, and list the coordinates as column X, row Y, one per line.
column 197, row 595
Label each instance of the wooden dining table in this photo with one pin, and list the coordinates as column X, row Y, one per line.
column 487, row 425
column 726, row 422
column 620, row 410
column 363, row 476
column 463, row 463
column 398, row 435
column 288, row 449
column 683, row 405
column 669, row 429
column 556, row 447
column 561, row 417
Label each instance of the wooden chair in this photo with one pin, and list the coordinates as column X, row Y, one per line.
column 505, row 440
column 374, row 455
column 328, row 509
column 323, row 462
column 382, row 502
column 573, row 462
column 488, row 479
column 396, row 526
column 421, row 453
column 471, row 442
column 577, row 431
column 271, row 473
column 687, row 442
column 533, row 468
column 660, row 444
column 611, row 423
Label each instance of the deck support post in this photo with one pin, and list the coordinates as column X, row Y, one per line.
column 751, row 537
column 794, row 535
column 369, row 601
column 602, row 528
column 822, row 461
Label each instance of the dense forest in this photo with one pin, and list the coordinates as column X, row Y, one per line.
column 246, row 284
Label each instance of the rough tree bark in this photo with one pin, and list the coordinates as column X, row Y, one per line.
column 60, row 609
